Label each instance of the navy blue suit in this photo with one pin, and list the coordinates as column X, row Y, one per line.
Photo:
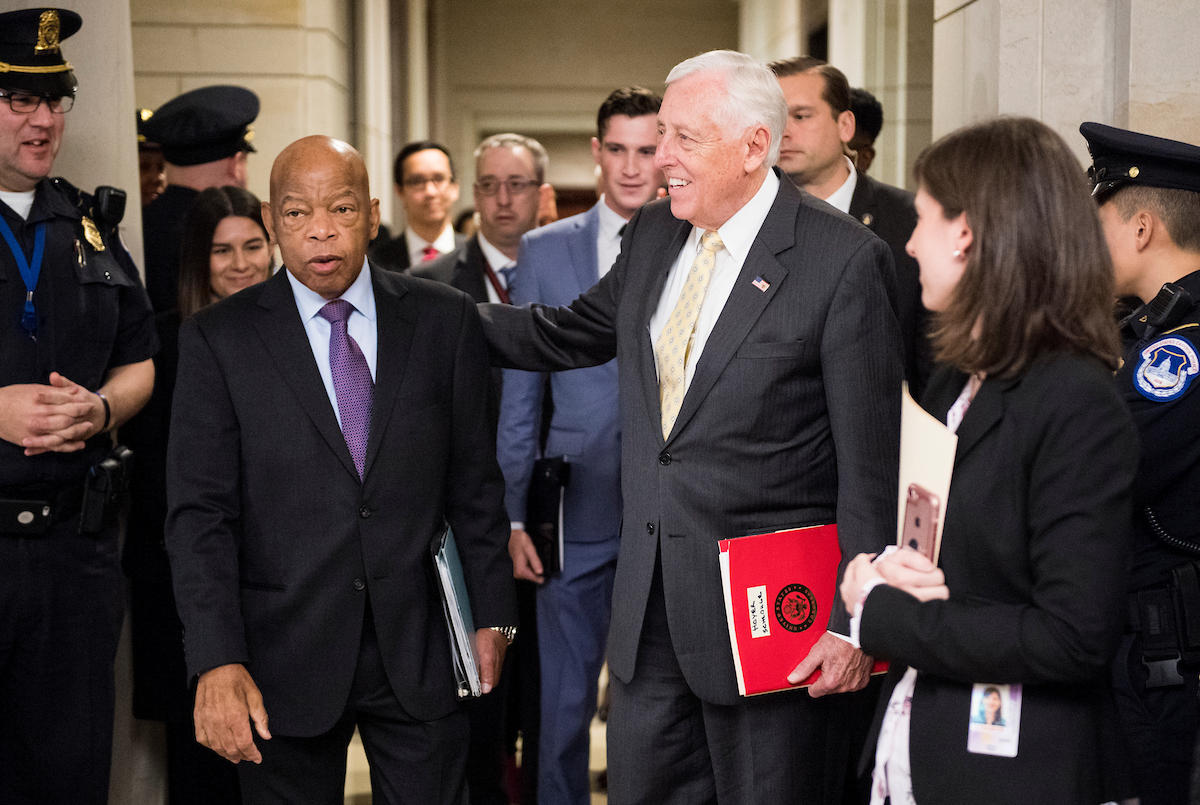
column 557, row 263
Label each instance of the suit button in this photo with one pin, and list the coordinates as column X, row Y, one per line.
column 364, row 512
column 360, row 585
column 649, row 528
column 664, row 458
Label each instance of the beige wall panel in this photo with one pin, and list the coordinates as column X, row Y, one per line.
column 171, row 49
column 1020, row 57
column 949, row 62
column 546, row 65
column 334, row 16
column 228, row 12
column 943, row 8
column 328, row 109
column 1164, row 72
column 327, row 56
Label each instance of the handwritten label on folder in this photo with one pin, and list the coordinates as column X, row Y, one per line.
column 760, row 625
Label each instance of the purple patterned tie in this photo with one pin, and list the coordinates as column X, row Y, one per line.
column 352, row 384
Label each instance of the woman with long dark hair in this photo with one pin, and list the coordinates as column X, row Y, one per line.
column 1027, row 595
column 225, row 248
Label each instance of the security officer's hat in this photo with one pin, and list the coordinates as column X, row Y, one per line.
column 1121, row 157
column 204, row 125
column 144, row 144
column 30, row 57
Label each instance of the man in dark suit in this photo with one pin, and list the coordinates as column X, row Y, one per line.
column 326, row 423
column 776, row 406
column 510, row 168
column 819, row 126
column 205, row 135
column 428, row 188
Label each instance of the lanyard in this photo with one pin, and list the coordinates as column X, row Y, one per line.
column 30, row 269
column 501, row 291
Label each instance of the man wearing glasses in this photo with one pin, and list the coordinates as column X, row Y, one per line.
column 76, row 341
column 510, row 170
column 428, row 188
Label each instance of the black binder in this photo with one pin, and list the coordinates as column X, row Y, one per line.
column 457, row 609
column 543, row 511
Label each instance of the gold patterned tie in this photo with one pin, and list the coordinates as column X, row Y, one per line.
column 674, row 344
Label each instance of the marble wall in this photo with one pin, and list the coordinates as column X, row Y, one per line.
column 1129, row 63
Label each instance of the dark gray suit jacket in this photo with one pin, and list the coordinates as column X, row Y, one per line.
column 275, row 543
column 393, row 255
column 791, row 419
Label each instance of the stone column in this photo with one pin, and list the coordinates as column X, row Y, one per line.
column 886, row 47
column 1128, row 63
column 373, row 63
column 771, row 29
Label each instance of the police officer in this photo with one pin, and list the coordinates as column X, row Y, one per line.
column 205, row 135
column 76, row 339
column 1148, row 190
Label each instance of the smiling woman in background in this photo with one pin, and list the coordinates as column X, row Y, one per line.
column 224, row 249
column 1026, row 599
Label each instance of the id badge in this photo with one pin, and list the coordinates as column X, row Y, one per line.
column 995, row 723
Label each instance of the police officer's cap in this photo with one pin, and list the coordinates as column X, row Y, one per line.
column 1121, row 157
column 144, row 144
column 30, row 57
column 204, row 125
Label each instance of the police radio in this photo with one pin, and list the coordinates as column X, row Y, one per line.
column 1168, row 308
column 109, row 208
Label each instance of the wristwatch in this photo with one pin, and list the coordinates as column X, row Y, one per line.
column 509, row 632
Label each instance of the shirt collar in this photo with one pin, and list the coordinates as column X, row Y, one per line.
column 738, row 233
column 496, row 258
column 610, row 222
column 444, row 242
column 840, row 198
column 360, row 294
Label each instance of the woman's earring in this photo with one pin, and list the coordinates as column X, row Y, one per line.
column 957, row 253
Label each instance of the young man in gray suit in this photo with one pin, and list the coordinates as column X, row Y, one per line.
column 772, row 401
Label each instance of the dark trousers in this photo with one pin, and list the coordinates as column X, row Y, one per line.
column 667, row 746
column 1160, row 726
column 61, row 605
column 412, row 762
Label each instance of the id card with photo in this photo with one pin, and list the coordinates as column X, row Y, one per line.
column 995, row 722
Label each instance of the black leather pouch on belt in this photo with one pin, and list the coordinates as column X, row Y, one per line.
column 1168, row 618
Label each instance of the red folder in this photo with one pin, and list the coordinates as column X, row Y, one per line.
column 779, row 590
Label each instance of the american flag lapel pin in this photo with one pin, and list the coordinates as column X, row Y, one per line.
column 761, row 284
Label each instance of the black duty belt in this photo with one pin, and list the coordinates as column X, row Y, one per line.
column 1168, row 619
column 25, row 514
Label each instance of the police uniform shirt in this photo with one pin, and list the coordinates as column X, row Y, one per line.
column 1158, row 380
column 92, row 315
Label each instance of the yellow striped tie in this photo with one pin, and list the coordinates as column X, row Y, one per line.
column 674, row 344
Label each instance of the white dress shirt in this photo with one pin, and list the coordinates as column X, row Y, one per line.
column 737, row 236
column 608, row 238
column 497, row 260
column 416, row 244
column 362, row 325
column 842, row 196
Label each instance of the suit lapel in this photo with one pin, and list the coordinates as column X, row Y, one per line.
column 985, row 412
column 287, row 342
column 746, row 302
column 660, row 263
column 395, row 323
column 582, row 248
column 862, row 203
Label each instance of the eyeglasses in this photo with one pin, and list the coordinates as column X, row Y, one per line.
column 24, row 104
column 516, row 187
column 439, row 181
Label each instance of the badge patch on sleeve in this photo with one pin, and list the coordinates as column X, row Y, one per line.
column 1166, row 368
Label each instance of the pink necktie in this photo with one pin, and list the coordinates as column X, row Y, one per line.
column 429, row 254
column 352, row 384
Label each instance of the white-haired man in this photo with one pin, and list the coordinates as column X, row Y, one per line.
column 780, row 409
